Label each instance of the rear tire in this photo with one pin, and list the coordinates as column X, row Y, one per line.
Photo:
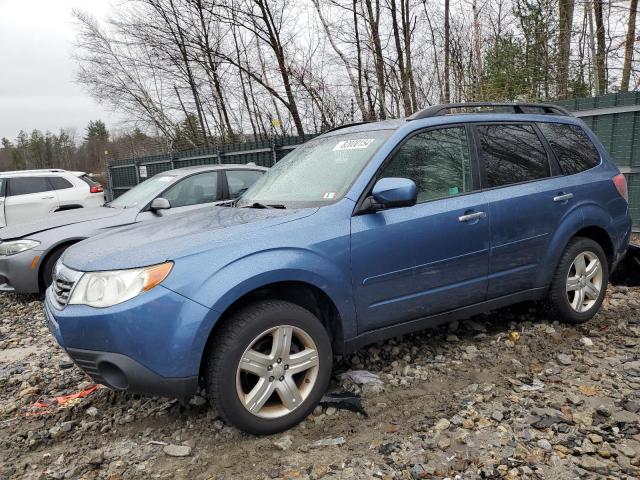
column 268, row 366
column 580, row 281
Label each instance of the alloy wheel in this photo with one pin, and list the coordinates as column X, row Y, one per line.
column 584, row 281
column 277, row 371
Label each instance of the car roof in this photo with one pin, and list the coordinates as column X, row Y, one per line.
column 36, row 172
column 207, row 168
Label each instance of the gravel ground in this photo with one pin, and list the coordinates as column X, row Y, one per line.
column 505, row 395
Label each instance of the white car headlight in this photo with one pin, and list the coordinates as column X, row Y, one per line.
column 16, row 246
column 104, row 289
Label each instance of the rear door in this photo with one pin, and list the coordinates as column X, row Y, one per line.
column 3, row 183
column 67, row 193
column 29, row 198
column 522, row 184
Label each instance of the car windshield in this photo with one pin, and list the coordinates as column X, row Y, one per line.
column 316, row 173
column 142, row 194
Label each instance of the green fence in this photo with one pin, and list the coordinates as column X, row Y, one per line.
column 614, row 118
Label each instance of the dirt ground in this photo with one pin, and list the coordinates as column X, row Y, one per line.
column 505, row 395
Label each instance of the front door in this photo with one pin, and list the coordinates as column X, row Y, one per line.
column 432, row 257
column 29, row 199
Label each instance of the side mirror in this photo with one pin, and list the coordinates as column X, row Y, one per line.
column 159, row 203
column 393, row 193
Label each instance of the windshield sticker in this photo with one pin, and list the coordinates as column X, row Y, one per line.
column 357, row 144
column 165, row 179
column 328, row 195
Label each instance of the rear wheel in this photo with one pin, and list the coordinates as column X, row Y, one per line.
column 268, row 366
column 580, row 281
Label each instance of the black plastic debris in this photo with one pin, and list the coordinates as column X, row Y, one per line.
column 344, row 401
column 628, row 272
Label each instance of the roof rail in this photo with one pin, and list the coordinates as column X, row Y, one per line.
column 436, row 110
column 37, row 170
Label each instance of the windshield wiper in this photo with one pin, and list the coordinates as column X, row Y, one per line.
column 260, row 205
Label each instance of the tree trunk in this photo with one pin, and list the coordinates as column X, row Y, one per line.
column 405, row 89
column 600, row 60
column 374, row 27
column 565, row 8
column 447, row 53
column 628, row 46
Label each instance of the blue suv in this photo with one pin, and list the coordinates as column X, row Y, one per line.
column 366, row 232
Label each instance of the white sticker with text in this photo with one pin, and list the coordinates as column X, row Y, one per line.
column 353, row 144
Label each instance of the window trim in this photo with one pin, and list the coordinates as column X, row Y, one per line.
column 473, row 162
column 554, row 169
column 557, row 160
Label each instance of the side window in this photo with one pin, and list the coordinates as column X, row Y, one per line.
column 193, row 190
column 240, row 180
column 571, row 145
column 512, row 154
column 26, row 185
column 59, row 183
column 437, row 161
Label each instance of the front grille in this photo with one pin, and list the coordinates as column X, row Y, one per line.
column 64, row 279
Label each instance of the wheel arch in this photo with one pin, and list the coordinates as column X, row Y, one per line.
column 301, row 293
column 52, row 250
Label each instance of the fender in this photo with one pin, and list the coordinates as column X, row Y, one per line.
column 574, row 221
column 256, row 270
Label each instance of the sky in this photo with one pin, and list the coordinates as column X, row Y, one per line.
column 37, row 71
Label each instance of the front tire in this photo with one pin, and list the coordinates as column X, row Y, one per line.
column 268, row 366
column 580, row 281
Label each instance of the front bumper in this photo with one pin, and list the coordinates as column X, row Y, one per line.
column 19, row 273
column 152, row 344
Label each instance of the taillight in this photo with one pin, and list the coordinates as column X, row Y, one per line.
column 96, row 189
column 621, row 185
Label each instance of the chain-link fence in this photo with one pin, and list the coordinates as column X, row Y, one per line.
column 614, row 118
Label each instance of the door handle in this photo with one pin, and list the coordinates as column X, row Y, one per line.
column 472, row 216
column 47, row 198
column 563, row 197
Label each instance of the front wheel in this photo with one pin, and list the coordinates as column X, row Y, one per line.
column 580, row 281
column 268, row 366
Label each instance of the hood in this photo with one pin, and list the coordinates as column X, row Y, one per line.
column 57, row 219
column 172, row 237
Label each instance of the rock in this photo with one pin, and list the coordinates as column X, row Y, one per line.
column 604, row 452
column 565, row 359
column 586, row 341
column 444, row 443
column 544, row 444
column 92, row 411
column 283, row 443
column 327, row 442
column 626, row 451
column 177, row 450
column 583, row 417
column 331, row 410
column 497, row 416
column 587, row 446
column 419, row 471
column 593, row 465
column 367, row 381
column 594, row 438
column 197, row 401
column 442, row 425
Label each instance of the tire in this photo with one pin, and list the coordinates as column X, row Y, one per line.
column 261, row 385
column 570, row 279
column 47, row 269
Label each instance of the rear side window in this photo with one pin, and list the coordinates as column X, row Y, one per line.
column 60, row 183
column 572, row 147
column 27, row 185
column 512, row 154
column 240, row 180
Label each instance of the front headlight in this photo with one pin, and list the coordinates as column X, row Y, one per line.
column 16, row 246
column 104, row 289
